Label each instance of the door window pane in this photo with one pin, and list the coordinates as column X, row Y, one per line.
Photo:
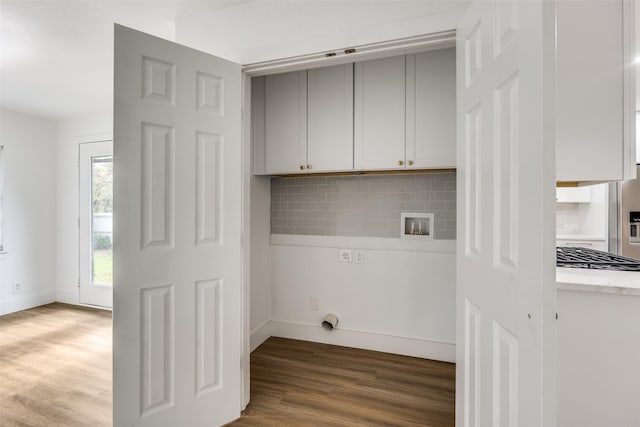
column 102, row 220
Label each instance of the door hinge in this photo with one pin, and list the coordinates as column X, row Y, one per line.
column 78, row 222
column 78, row 282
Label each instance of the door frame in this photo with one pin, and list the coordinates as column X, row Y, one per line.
column 84, row 142
column 377, row 50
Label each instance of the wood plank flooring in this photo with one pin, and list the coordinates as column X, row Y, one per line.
column 55, row 367
column 55, row 370
column 298, row 383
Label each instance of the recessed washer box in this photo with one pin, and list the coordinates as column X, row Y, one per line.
column 416, row 225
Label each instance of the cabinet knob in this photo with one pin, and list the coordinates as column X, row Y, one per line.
column 400, row 163
column 410, row 162
column 308, row 166
column 301, row 167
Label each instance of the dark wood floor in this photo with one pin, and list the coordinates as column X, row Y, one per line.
column 55, row 367
column 55, row 370
column 297, row 383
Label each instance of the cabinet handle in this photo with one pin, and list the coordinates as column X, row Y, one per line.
column 308, row 166
column 410, row 162
column 301, row 167
column 400, row 163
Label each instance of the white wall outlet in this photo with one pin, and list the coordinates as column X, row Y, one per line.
column 16, row 288
column 345, row 255
column 359, row 257
column 313, row 302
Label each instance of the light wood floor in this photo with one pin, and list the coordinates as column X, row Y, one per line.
column 55, row 367
column 55, row 370
column 297, row 383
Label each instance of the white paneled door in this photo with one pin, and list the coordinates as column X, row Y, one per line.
column 177, row 179
column 506, row 204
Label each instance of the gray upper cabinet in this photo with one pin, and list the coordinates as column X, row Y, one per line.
column 431, row 109
column 385, row 114
column 379, row 114
column 330, row 119
column 285, row 101
column 595, row 86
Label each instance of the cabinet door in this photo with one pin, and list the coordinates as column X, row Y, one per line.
column 379, row 132
column 431, row 109
column 330, row 119
column 595, row 90
column 286, row 122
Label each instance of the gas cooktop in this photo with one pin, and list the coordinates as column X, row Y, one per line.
column 596, row 260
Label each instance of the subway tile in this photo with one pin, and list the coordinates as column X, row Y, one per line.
column 450, row 205
column 327, row 188
column 415, row 206
column 278, row 205
column 317, row 197
column 445, row 195
column 294, row 188
column 361, row 205
column 327, row 223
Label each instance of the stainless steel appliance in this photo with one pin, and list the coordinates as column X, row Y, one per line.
column 629, row 229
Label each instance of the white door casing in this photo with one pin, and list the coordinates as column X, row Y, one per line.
column 506, row 215
column 90, row 293
column 177, row 265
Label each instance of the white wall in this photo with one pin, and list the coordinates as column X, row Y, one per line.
column 260, row 254
column 598, row 359
column 584, row 219
column 262, row 31
column 91, row 127
column 29, row 211
column 400, row 300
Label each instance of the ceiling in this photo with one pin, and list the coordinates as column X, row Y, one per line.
column 56, row 57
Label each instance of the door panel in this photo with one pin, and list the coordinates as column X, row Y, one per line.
column 379, row 120
column 177, row 297
column 330, row 118
column 506, row 194
column 286, row 122
column 431, row 109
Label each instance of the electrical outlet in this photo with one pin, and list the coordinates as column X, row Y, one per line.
column 359, row 257
column 313, row 302
column 16, row 288
column 345, row 255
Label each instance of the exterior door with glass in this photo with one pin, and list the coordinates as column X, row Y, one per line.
column 96, row 223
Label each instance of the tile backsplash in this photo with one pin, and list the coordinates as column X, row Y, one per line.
column 368, row 205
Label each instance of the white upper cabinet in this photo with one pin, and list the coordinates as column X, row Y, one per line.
column 379, row 121
column 431, row 109
column 285, row 103
column 330, row 119
column 385, row 114
column 595, row 88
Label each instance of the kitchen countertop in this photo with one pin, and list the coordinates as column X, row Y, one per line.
column 603, row 281
column 579, row 237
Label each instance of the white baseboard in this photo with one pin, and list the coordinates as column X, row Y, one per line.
column 260, row 334
column 27, row 301
column 414, row 347
column 67, row 297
